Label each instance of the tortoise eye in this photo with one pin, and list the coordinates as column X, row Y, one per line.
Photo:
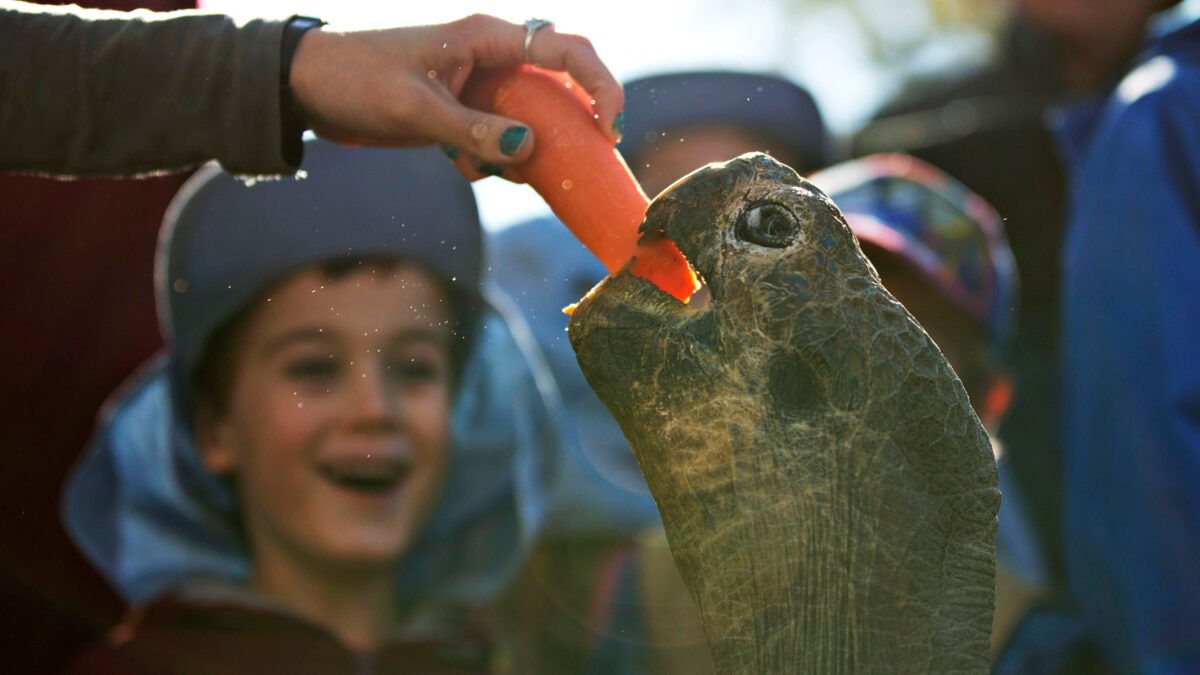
column 768, row 225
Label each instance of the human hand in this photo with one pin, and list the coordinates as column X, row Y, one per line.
column 399, row 87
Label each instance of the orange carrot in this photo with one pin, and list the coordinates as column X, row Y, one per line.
column 579, row 172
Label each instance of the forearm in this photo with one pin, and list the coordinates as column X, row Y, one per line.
column 95, row 92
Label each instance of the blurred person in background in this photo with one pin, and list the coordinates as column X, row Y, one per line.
column 601, row 594
column 1128, row 301
column 1131, row 368
column 326, row 470
column 989, row 128
column 676, row 123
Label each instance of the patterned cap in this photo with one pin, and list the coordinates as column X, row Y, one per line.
column 949, row 234
column 223, row 241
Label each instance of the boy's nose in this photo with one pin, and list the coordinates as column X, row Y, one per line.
column 371, row 401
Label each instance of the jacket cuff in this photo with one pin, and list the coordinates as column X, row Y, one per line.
column 254, row 109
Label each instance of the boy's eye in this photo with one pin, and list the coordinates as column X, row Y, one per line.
column 415, row 369
column 312, row 368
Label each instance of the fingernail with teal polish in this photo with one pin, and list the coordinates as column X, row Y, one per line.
column 450, row 150
column 512, row 139
column 619, row 124
column 490, row 169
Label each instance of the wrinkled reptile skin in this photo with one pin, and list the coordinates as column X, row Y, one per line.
column 828, row 494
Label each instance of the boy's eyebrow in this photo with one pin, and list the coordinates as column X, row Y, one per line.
column 422, row 335
column 301, row 334
column 415, row 334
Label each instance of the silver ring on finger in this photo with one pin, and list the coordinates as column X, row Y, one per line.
column 532, row 26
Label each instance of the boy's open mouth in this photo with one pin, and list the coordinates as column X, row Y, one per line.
column 372, row 476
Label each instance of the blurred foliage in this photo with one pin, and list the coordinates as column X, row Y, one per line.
column 983, row 13
column 897, row 29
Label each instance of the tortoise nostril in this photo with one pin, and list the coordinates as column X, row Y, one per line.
column 792, row 385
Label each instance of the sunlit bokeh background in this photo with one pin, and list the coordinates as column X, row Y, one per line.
column 853, row 55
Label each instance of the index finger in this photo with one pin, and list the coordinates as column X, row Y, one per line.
column 496, row 43
column 575, row 54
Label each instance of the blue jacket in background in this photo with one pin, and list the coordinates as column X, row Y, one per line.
column 1131, row 350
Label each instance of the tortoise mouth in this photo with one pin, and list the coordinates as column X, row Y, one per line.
column 652, row 298
column 689, row 214
column 701, row 297
column 628, row 303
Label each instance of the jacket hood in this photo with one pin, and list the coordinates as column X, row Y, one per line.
column 144, row 510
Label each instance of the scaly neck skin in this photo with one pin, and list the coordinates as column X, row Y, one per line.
column 359, row 607
column 813, row 614
column 812, row 575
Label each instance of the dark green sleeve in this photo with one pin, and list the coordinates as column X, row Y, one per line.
column 98, row 92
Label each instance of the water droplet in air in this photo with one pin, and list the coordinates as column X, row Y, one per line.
column 568, row 85
column 432, row 74
column 567, row 185
column 180, row 285
column 595, row 116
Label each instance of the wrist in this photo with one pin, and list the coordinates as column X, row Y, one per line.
column 291, row 117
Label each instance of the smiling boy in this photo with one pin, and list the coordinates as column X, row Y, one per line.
column 320, row 475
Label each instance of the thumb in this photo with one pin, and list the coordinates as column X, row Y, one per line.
column 491, row 138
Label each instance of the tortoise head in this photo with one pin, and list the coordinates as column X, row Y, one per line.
column 791, row 293
column 798, row 323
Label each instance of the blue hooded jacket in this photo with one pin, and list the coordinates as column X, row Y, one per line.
column 1131, row 355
